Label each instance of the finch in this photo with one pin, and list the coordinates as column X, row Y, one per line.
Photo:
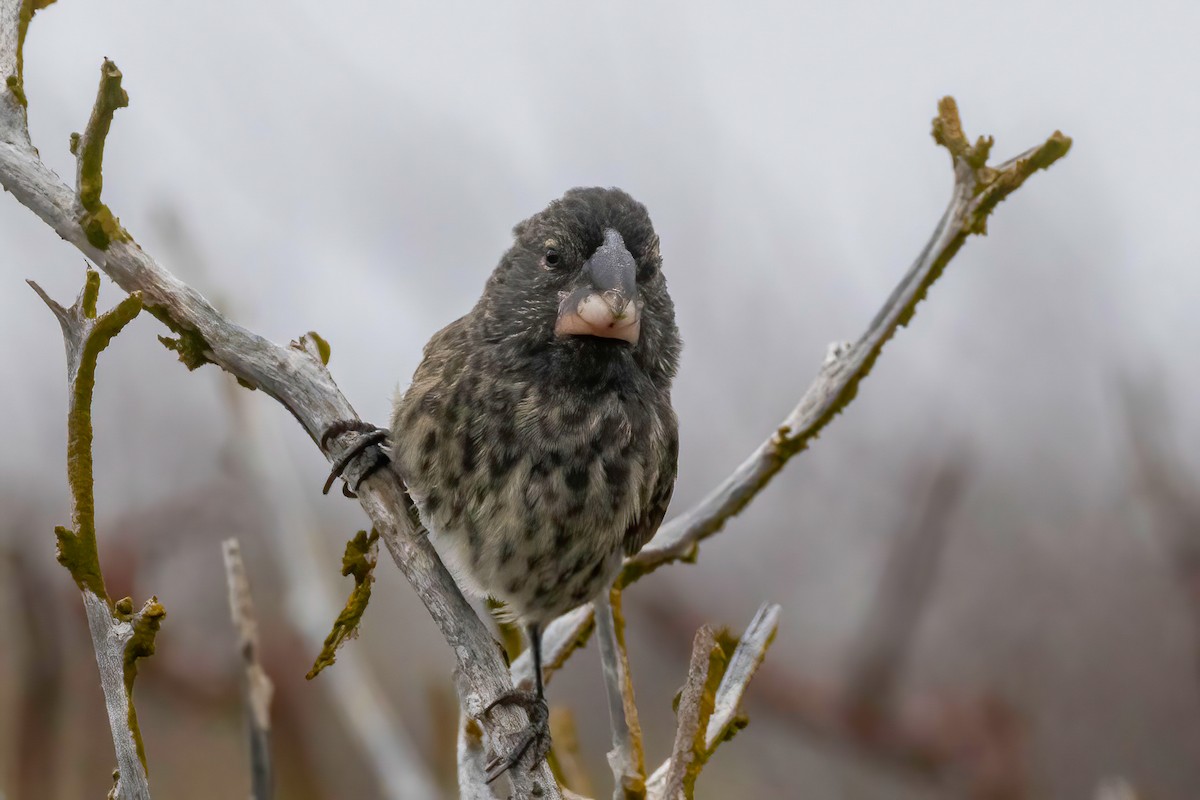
column 537, row 438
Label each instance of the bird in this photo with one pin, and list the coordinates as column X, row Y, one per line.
column 537, row 438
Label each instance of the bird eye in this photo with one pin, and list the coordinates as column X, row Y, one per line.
column 647, row 270
column 552, row 257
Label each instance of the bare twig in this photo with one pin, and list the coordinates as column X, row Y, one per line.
column 724, row 716
column 295, row 376
column 977, row 190
column 257, row 685
column 626, row 757
column 119, row 635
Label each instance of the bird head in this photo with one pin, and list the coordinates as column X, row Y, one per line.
column 584, row 280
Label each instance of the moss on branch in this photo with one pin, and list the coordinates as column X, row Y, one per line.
column 140, row 645
column 99, row 223
column 359, row 560
column 16, row 83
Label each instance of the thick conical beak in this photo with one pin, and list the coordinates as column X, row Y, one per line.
column 605, row 303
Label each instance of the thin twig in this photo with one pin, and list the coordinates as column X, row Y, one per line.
column 296, row 377
column 258, row 686
column 119, row 635
column 625, row 758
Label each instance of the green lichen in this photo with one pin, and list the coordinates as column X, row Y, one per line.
column 99, row 223
column 78, row 554
column 140, row 645
column 189, row 344
column 323, row 349
column 102, row 228
column 18, row 91
column 16, row 83
column 77, row 548
column 362, row 553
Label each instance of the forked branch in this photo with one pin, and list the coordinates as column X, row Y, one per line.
column 120, row 636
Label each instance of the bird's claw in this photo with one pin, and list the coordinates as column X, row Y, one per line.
column 535, row 736
column 370, row 435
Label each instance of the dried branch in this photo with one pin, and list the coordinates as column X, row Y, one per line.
column 258, row 686
column 724, row 718
column 119, row 635
column 978, row 188
column 295, row 376
column 626, row 758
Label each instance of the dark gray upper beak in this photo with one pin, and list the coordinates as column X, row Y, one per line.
column 606, row 301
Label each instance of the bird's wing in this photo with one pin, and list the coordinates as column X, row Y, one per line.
column 652, row 515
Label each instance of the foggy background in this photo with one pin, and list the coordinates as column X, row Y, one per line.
column 356, row 170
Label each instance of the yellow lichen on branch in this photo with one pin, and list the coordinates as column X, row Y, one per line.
column 362, row 553
column 87, row 337
column 98, row 222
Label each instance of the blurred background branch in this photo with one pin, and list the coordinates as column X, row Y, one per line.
column 258, row 687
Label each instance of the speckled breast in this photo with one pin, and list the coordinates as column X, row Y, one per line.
column 529, row 493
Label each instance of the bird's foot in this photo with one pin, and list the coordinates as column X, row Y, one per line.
column 369, row 436
column 534, row 739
